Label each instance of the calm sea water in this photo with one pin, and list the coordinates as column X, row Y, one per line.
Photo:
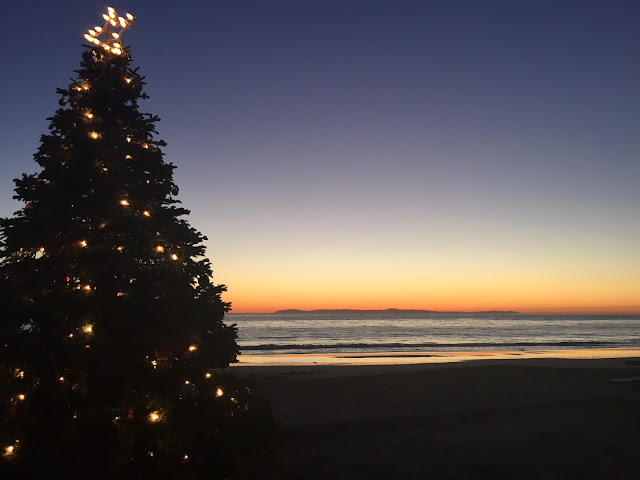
column 360, row 332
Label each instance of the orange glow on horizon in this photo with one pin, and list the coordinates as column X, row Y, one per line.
column 560, row 309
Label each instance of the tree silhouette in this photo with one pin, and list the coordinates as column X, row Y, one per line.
column 113, row 337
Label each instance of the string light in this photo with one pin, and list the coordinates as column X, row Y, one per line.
column 128, row 139
column 94, row 135
column 146, row 213
column 160, row 248
column 192, row 348
column 219, row 392
column 154, row 363
column 87, row 328
column 87, row 288
column 61, row 379
column 19, row 373
column 174, row 257
column 128, row 157
column 110, row 21
column 9, row 450
column 21, row 396
column 187, row 382
column 154, row 416
column 124, row 203
column 89, row 115
column 185, row 458
column 128, row 80
column 41, row 249
column 207, row 375
column 120, row 248
column 83, row 243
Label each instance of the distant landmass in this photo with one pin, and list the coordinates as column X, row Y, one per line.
column 391, row 310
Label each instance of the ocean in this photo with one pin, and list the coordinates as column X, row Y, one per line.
column 415, row 331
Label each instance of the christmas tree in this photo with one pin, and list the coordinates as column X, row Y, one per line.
column 113, row 338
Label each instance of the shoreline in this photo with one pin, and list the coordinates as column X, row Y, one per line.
column 428, row 357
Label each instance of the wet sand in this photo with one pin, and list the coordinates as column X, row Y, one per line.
column 535, row 417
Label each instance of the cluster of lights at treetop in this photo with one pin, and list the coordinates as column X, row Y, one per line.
column 112, row 338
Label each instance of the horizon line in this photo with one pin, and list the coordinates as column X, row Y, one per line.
column 571, row 312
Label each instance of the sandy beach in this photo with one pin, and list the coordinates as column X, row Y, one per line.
column 553, row 414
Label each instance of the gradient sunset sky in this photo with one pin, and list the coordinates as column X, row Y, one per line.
column 445, row 155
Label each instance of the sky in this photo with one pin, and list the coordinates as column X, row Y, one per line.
column 443, row 155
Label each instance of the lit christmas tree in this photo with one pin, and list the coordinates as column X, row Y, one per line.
column 112, row 339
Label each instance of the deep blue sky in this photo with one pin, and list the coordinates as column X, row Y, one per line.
column 377, row 153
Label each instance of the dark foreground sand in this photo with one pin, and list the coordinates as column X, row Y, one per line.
column 535, row 418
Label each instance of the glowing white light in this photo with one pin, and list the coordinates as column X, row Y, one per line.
column 92, row 32
column 129, row 16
